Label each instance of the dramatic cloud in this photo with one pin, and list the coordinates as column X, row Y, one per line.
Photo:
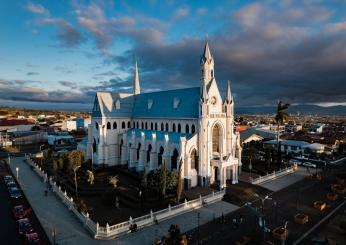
column 68, row 84
column 25, row 91
column 68, row 35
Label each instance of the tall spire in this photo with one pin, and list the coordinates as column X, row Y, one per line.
column 228, row 92
column 206, row 54
column 136, row 87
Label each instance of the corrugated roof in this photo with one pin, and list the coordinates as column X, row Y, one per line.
column 162, row 104
column 160, row 135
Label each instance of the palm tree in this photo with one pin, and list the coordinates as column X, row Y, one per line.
column 280, row 118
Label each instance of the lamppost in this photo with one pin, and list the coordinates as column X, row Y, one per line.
column 262, row 200
column 9, row 159
column 17, row 170
column 198, row 217
column 75, row 179
column 92, row 158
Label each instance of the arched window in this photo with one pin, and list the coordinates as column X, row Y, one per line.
column 133, row 125
column 137, row 125
column 155, row 126
column 174, row 159
column 146, row 125
column 173, row 127
column 216, row 134
column 179, row 128
column 115, row 125
column 159, row 157
column 108, row 125
column 212, row 73
column 96, row 126
column 128, row 124
column 151, row 126
column 162, row 127
column 167, row 127
column 193, row 129
column 148, row 153
column 142, row 126
column 138, row 150
column 123, row 125
column 194, row 160
column 187, row 129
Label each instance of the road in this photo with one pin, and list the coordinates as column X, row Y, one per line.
column 298, row 197
column 8, row 226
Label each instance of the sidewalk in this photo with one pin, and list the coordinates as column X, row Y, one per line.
column 54, row 215
column 287, row 180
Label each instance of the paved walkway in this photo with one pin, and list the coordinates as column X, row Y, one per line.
column 287, row 180
column 54, row 215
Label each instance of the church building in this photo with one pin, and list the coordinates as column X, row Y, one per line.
column 192, row 126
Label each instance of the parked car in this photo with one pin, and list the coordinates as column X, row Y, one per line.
column 11, row 184
column 19, row 212
column 294, row 161
column 15, row 193
column 8, row 178
column 32, row 238
column 24, row 226
column 309, row 165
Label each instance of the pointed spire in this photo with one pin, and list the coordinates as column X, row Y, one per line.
column 206, row 53
column 228, row 92
column 136, row 87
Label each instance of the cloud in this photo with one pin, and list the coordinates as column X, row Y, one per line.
column 32, row 73
column 335, row 27
column 68, row 35
column 24, row 91
column 181, row 13
column 36, row 8
column 68, row 84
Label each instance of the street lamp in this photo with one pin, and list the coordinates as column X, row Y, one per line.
column 262, row 200
column 75, row 179
column 17, row 170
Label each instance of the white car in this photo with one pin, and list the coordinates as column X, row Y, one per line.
column 309, row 164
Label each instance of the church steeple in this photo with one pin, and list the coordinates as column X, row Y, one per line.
column 136, row 87
column 207, row 64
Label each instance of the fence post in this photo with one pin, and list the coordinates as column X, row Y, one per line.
column 213, row 193
column 185, row 202
column 97, row 229
column 200, row 198
column 151, row 214
column 107, row 228
column 130, row 220
column 169, row 207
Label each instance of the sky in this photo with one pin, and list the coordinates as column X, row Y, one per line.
column 60, row 52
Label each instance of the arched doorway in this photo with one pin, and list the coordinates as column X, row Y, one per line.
column 216, row 139
column 159, row 157
column 174, row 159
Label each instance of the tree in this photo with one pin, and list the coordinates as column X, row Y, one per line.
column 113, row 180
column 179, row 184
column 90, row 176
column 74, row 159
column 280, row 118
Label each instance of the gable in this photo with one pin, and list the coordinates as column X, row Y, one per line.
column 96, row 112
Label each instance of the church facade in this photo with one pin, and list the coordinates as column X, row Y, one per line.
column 191, row 126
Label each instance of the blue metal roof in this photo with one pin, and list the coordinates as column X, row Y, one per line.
column 174, row 137
column 162, row 106
column 136, row 106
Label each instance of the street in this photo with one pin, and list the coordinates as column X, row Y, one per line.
column 8, row 224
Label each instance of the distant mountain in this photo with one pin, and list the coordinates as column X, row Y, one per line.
column 302, row 109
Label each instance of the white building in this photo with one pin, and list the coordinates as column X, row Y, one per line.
column 193, row 126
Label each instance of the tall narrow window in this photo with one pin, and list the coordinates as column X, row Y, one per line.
column 123, row 125
column 173, row 127
column 187, row 129
column 193, row 130
column 108, row 125
column 115, row 125
column 179, row 128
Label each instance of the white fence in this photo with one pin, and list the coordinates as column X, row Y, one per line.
column 107, row 232
column 274, row 175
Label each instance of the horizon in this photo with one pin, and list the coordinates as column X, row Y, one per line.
column 67, row 51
